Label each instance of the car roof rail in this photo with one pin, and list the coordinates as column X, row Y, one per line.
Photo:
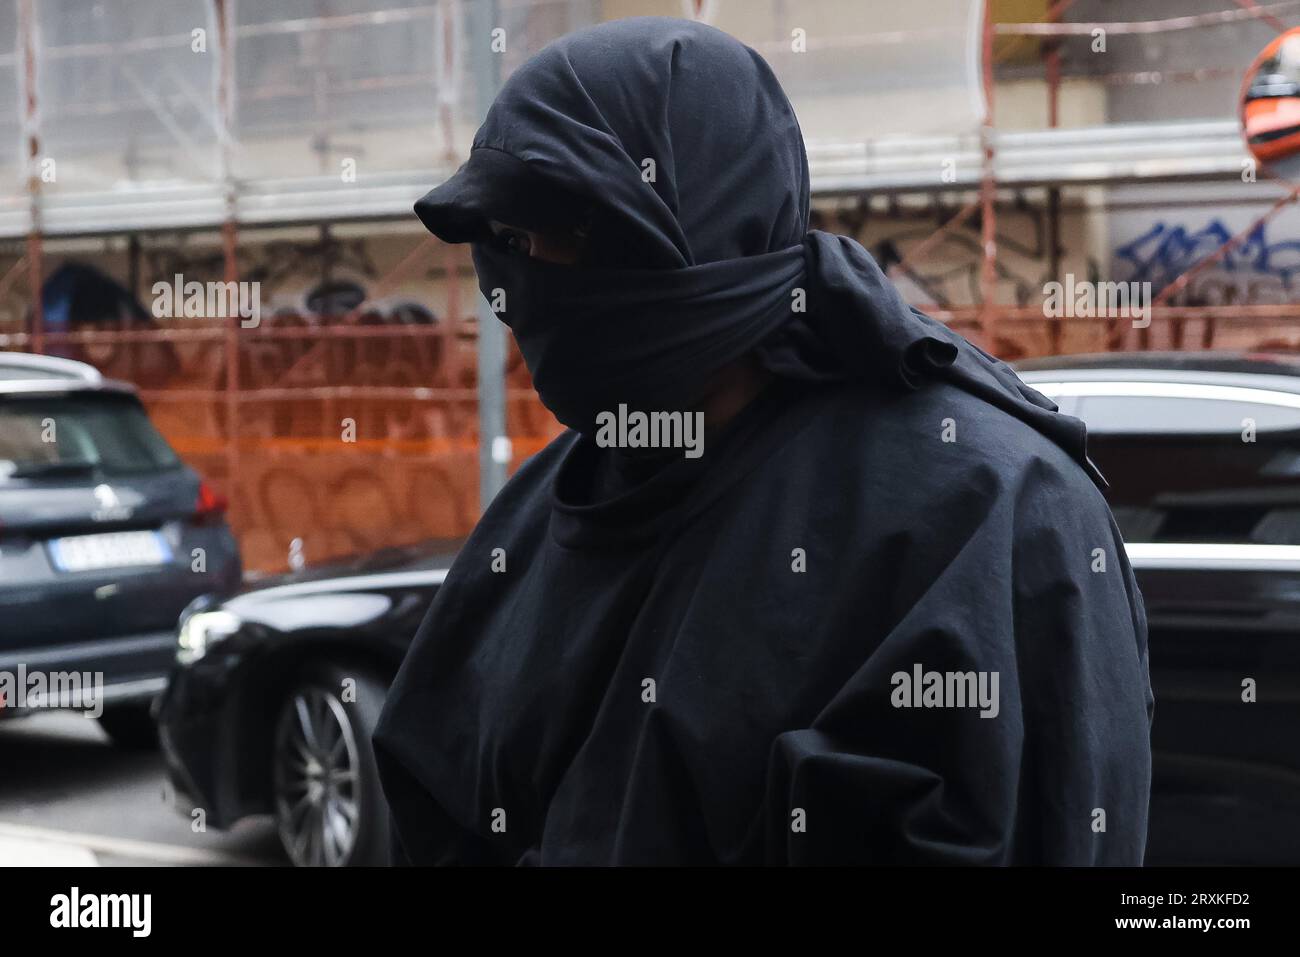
column 28, row 367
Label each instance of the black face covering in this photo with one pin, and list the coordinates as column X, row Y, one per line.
column 595, row 338
column 684, row 142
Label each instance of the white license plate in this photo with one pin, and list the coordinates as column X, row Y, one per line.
column 79, row 553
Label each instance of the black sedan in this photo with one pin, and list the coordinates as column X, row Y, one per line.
column 1202, row 452
column 275, row 694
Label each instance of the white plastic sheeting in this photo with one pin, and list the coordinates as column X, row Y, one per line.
column 350, row 108
column 332, row 108
column 12, row 202
column 858, row 72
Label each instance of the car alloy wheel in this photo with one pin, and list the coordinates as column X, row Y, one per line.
column 317, row 792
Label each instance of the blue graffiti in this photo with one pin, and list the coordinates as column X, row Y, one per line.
column 1164, row 252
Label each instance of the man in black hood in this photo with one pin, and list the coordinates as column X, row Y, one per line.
column 878, row 613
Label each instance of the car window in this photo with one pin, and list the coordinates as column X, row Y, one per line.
column 106, row 433
column 1179, row 415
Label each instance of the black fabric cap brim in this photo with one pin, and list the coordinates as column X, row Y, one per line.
column 493, row 185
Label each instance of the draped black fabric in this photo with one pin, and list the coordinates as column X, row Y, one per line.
column 679, row 134
column 681, row 660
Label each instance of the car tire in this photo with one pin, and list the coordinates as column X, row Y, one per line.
column 329, row 806
column 130, row 727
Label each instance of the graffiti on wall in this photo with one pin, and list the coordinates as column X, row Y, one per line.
column 949, row 274
column 1262, row 268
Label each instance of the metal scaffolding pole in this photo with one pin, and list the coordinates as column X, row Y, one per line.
column 988, row 193
column 32, row 157
column 223, row 19
column 494, row 451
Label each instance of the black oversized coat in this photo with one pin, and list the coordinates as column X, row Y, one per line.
column 703, row 670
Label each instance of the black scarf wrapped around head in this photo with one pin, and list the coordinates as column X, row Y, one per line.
column 684, row 142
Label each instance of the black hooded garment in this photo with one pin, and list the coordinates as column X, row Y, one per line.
column 771, row 653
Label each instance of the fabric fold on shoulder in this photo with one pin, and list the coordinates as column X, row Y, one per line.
column 859, row 315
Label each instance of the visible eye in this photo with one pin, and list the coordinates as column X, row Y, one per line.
column 516, row 241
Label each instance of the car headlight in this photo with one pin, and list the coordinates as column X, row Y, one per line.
column 201, row 630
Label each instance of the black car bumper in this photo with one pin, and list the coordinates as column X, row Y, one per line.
column 193, row 714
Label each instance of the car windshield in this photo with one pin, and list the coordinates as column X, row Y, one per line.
column 62, row 435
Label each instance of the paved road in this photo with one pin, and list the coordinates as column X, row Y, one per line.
column 69, row 797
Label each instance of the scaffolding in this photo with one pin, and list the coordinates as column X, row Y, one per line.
column 254, row 134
